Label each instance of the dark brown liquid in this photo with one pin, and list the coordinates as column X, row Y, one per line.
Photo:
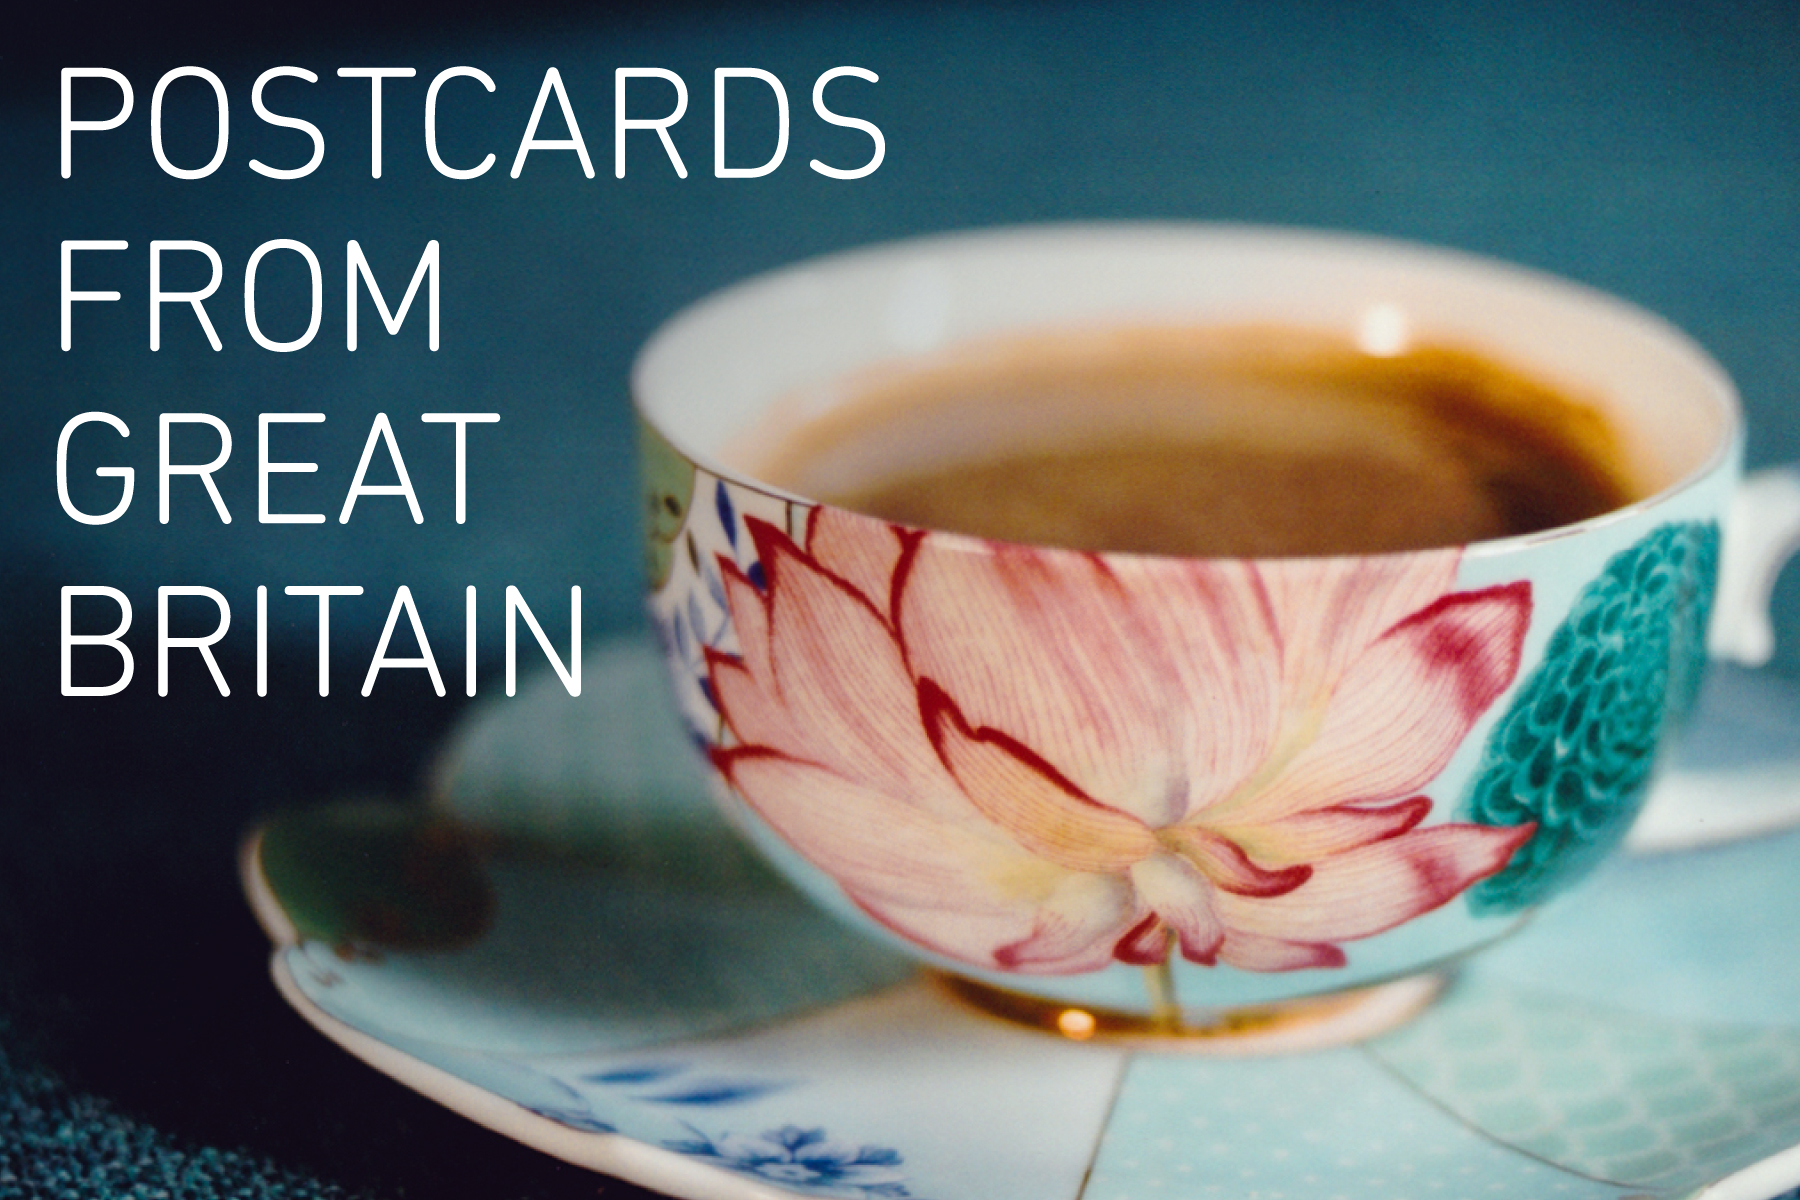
column 1245, row 442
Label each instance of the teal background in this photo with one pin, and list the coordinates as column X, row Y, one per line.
column 1652, row 150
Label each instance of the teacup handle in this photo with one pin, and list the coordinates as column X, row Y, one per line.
column 1763, row 533
column 1733, row 772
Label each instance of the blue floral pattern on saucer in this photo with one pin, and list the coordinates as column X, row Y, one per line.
column 805, row 1159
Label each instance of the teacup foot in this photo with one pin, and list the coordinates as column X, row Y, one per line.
column 1280, row 1027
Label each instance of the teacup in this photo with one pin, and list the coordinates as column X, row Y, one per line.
column 1235, row 783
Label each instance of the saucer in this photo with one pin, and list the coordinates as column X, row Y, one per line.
column 636, row 994
column 1735, row 769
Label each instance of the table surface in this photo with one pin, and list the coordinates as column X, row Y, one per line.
column 1653, row 151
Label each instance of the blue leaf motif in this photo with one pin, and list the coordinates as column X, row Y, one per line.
column 759, row 578
column 716, row 586
column 711, row 1093
column 727, row 514
column 696, row 617
column 633, row 1075
column 695, row 1091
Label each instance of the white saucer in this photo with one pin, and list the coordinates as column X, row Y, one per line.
column 648, row 1002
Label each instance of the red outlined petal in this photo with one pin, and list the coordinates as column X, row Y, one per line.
column 1182, row 897
column 862, row 551
column 1252, row 952
column 1328, row 611
column 1381, row 885
column 1026, row 797
column 960, row 890
column 1308, row 837
column 1145, row 944
column 828, row 664
column 1228, row 867
column 1145, row 682
column 1400, row 710
column 1075, row 930
column 881, row 847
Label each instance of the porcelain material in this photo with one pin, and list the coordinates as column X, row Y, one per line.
column 651, row 1004
column 1045, row 769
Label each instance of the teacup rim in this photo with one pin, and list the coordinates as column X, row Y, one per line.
column 1716, row 381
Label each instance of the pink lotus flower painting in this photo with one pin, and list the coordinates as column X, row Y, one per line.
column 1047, row 770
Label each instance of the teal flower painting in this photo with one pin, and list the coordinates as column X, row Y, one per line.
column 1573, row 753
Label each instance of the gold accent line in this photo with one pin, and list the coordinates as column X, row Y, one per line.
column 1268, row 1028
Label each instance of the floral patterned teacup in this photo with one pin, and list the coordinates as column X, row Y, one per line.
column 1044, row 770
